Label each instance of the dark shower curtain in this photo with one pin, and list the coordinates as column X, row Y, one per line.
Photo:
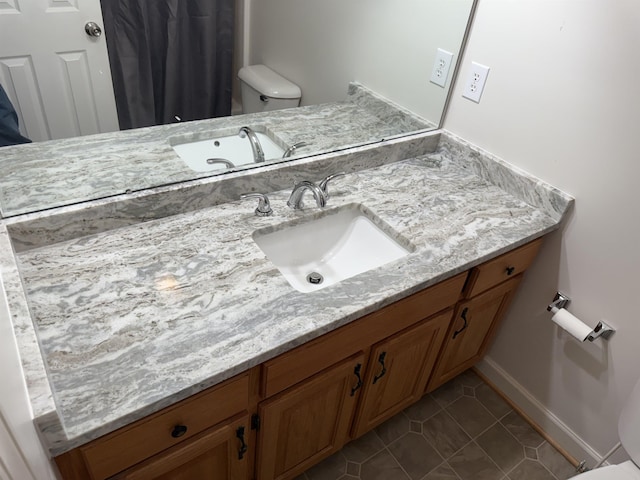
column 170, row 58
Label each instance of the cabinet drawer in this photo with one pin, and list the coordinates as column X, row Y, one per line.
column 499, row 269
column 313, row 357
column 132, row 444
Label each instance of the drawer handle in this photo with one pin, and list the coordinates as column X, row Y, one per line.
column 384, row 369
column 178, row 431
column 243, row 447
column 510, row 270
column 463, row 315
column 356, row 372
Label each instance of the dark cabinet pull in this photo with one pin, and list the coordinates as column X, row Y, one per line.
column 510, row 270
column 356, row 372
column 463, row 315
column 178, row 431
column 384, row 369
column 243, row 446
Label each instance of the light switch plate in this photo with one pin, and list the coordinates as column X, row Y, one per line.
column 441, row 67
column 475, row 82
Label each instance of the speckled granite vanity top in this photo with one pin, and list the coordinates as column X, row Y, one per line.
column 135, row 318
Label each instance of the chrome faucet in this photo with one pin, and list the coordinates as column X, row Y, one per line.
column 258, row 153
column 320, row 192
column 289, row 151
column 220, row 161
column 324, row 183
column 264, row 206
column 295, row 200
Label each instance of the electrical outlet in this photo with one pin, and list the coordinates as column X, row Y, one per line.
column 475, row 83
column 441, row 67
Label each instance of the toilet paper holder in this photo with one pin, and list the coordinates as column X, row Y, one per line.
column 601, row 329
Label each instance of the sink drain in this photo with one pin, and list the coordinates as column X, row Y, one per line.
column 315, row 278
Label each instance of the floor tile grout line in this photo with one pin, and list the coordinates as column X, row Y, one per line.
column 444, row 462
column 491, row 459
column 460, row 425
column 449, row 403
column 384, row 447
column 473, row 439
column 465, row 432
column 516, row 465
column 548, row 470
column 486, row 408
column 516, row 438
column 398, row 462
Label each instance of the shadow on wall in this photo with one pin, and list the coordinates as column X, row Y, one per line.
column 535, row 351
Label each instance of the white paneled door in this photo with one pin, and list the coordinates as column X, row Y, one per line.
column 56, row 74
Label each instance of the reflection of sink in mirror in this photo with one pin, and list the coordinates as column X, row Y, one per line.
column 314, row 253
column 231, row 148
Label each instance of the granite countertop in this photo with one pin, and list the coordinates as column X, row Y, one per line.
column 97, row 166
column 133, row 319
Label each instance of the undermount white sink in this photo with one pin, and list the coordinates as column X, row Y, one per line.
column 232, row 148
column 339, row 244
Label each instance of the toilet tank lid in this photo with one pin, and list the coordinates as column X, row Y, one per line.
column 268, row 82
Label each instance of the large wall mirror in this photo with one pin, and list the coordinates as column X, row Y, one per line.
column 364, row 69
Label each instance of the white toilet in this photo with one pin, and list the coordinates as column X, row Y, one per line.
column 264, row 90
column 629, row 432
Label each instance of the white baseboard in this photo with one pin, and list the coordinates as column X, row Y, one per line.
column 541, row 415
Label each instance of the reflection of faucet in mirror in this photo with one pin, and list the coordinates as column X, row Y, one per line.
column 221, row 161
column 265, row 24
column 289, row 151
column 383, row 103
column 258, row 153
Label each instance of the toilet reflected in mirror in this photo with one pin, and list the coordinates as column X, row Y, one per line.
column 264, row 90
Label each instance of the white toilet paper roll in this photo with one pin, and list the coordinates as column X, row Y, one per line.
column 572, row 324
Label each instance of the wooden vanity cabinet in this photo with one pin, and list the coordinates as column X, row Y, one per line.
column 308, row 422
column 488, row 293
column 471, row 332
column 312, row 420
column 304, row 405
column 205, row 424
column 220, row 452
column 398, row 370
column 339, row 386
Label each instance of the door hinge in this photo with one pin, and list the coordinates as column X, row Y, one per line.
column 255, row 422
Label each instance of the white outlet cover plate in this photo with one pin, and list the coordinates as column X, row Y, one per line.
column 441, row 67
column 474, row 85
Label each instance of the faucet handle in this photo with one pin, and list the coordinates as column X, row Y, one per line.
column 290, row 151
column 325, row 181
column 264, row 207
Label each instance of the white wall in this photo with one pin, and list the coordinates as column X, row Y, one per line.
column 389, row 46
column 21, row 454
column 562, row 102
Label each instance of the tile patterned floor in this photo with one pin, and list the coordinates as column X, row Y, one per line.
column 461, row 431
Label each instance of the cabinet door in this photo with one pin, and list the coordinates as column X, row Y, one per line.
column 398, row 371
column 308, row 422
column 471, row 331
column 220, row 452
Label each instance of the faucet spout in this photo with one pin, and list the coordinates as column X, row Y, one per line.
column 258, row 153
column 295, row 199
column 291, row 150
